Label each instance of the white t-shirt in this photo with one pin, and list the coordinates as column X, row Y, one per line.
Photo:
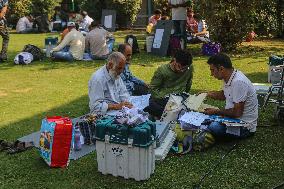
column 240, row 89
column 180, row 12
column 23, row 24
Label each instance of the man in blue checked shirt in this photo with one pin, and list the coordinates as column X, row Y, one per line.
column 4, row 30
column 133, row 85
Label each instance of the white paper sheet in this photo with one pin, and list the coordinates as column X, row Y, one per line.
column 108, row 21
column 140, row 102
column 194, row 118
column 158, row 38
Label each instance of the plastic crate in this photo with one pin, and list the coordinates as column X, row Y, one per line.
column 126, row 161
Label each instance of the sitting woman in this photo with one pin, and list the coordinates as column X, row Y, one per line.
column 202, row 34
column 153, row 20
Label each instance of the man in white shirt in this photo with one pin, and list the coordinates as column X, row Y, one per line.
column 86, row 21
column 72, row 46
column 239, row 95
column 106, row 89
column 25, row 24
column 179, row 16
column 98, row 42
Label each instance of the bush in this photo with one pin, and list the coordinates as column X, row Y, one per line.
column 127, row 10
column 229, row 21
column 20, row 8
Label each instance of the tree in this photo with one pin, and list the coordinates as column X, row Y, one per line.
column 229, row 20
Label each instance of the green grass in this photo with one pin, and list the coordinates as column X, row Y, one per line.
column 29, row 93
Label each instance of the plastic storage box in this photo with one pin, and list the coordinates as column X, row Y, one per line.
column 126, row 151
column 162, row 151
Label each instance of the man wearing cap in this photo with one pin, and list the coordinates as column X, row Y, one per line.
column 71, row 47
column 3, row 30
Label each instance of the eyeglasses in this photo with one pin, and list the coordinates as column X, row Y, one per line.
column 179, row 67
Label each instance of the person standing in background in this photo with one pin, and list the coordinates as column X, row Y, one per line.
column 4, row 30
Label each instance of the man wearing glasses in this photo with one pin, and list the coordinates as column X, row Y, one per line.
column 174, row 77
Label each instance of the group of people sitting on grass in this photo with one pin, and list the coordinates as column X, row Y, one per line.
column 195, row 26
column 97, row 43
column 111, row 86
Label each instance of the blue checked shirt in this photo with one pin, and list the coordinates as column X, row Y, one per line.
column 129, row 79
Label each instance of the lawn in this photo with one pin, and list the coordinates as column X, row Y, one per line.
column 29, row 93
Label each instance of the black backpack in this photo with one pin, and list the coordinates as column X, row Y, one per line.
column 132, row 41
column 35, row 51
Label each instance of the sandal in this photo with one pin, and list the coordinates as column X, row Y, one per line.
column 4, row 145
column 20, row 147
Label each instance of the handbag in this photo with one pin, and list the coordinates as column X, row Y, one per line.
column 211, row 48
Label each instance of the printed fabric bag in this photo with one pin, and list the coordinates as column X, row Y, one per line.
column 173, row 107
column 56, row 140
column 211, row 48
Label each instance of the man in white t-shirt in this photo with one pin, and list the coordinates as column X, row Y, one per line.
column 239, row 95
column 179, row 16
column 86, row 21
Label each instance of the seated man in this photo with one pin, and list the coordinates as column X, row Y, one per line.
column 239, row 95
column 71, row 47
column 106, row 89
column 175, row 77
column 134, row 85
column 86, row 21
column 25, row 25
column 202, row 34
column 98, row 42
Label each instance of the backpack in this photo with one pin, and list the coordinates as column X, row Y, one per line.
column 132, row 41
column 174, row 45
column 35, row 51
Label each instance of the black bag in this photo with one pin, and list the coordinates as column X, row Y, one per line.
column 35, row 51
column 132, row 41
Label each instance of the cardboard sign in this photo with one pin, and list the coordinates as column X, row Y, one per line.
column 109, row 19
column 162, row 37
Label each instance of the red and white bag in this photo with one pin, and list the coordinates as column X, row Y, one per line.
column 56, row 138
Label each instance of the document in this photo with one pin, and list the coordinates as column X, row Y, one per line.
column 158, row 38
column 108, row 21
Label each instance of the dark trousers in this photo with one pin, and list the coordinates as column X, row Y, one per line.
column 156, row 107
column 140, row 90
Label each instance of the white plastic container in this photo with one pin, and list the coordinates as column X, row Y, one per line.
column 274, row 74
column 163, row 150
column 149, row 43
column 125, row 160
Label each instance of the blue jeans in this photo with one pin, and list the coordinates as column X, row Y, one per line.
column 218, row 130
column 62, row 55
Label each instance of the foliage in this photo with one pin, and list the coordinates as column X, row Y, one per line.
column 229, row 21
column 20, row 8
column 127, row 10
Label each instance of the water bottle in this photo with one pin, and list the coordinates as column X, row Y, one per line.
column 48, row 49
column 77, row 140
